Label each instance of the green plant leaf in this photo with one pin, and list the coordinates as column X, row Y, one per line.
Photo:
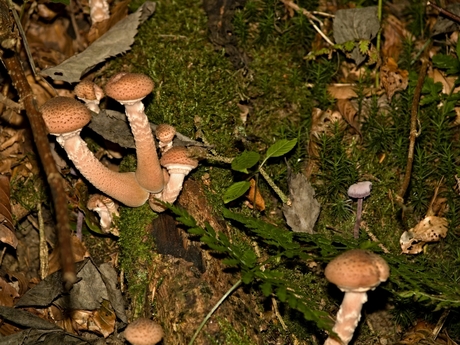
column 266, row 288
column 280, row 148
column 65, row 2
column 245, row 161
column 446, row 62
column 235, row 191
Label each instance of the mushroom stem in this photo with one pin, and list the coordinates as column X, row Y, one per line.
column 347, row 318
column 359, row 212
column 120, row 186
column 147, row 157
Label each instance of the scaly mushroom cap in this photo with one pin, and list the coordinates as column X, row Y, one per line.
column 64, row 114
column 88, row 90
column 165, row 133
column 357, row 270
column 144, row 332
column 125, row 86
column 178, row 157
column 360, row 190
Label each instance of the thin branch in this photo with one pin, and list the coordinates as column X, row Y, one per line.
column 413, row 129
column 310, row 18
column 13, row 65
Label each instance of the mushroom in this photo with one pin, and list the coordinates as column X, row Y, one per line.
column 90, row 93
column 165, row 134
column 178, row 163
column 64, row 118
column 359, row 191
column 144, row 332
column 107, row 209
column 99, row 10
column 129, row 89
column 354, row 272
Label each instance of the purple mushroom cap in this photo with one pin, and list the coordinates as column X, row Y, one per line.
column 360, row 190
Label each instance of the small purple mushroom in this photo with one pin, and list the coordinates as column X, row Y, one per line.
column 359, row 191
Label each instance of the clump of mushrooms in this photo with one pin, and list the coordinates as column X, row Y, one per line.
column 354, row 272
column 359, row 191
column 144, row 331
column 65, row 117
column 129, row 89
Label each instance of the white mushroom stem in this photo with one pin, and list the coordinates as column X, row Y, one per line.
column 347, row 318
column 99, row 10
column 148, row 164
column 120, row 186
column 174, row 186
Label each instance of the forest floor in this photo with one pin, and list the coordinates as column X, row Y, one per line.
column 284, row 105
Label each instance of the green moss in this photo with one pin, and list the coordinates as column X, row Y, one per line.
column 136, row 246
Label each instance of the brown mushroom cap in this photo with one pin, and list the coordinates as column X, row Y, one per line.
column 360, row 190
column 165, row 132
column 88, row 90
column 64, row 114
column 125, row 86
column 357, row 270
column 144, row 332
column 178, row 155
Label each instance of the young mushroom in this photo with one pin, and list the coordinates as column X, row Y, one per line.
column 90, row 93
column 129, row 89
column 107, row 209
column 65, row 117
column 359, row 191
column 178, row 163
column 165, row 134
column 354, row 272
column 144, row 332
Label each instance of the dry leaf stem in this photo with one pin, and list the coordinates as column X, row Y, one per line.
column 39, row 132
column 413, row 128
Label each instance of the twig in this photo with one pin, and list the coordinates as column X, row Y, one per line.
column 444, row 12
column 43, row 245
column 413, row 129
column 233, row 288
column 39, row 132
column 309, row 16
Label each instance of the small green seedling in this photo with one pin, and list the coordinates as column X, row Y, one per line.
column 249, row 159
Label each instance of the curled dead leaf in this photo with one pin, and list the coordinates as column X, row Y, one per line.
column 255, row 197
column 430, row 229
column 393, row 79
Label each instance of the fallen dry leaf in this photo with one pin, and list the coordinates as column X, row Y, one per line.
column 392, row 78
column 348, row 112
column 255, row 197
column 342, row 91
column 430, row 229
column 6, row 219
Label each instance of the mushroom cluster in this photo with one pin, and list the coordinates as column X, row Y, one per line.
column 153, row 179
column 354, row 272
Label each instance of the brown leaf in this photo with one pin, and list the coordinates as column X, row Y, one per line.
column 6, row 219
column 7, row 294
column 342, row 91
column 79, row 254
column 349, row 112
column 430, row 229
column 393, row 31
column 255, row 197
column 392, row 78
